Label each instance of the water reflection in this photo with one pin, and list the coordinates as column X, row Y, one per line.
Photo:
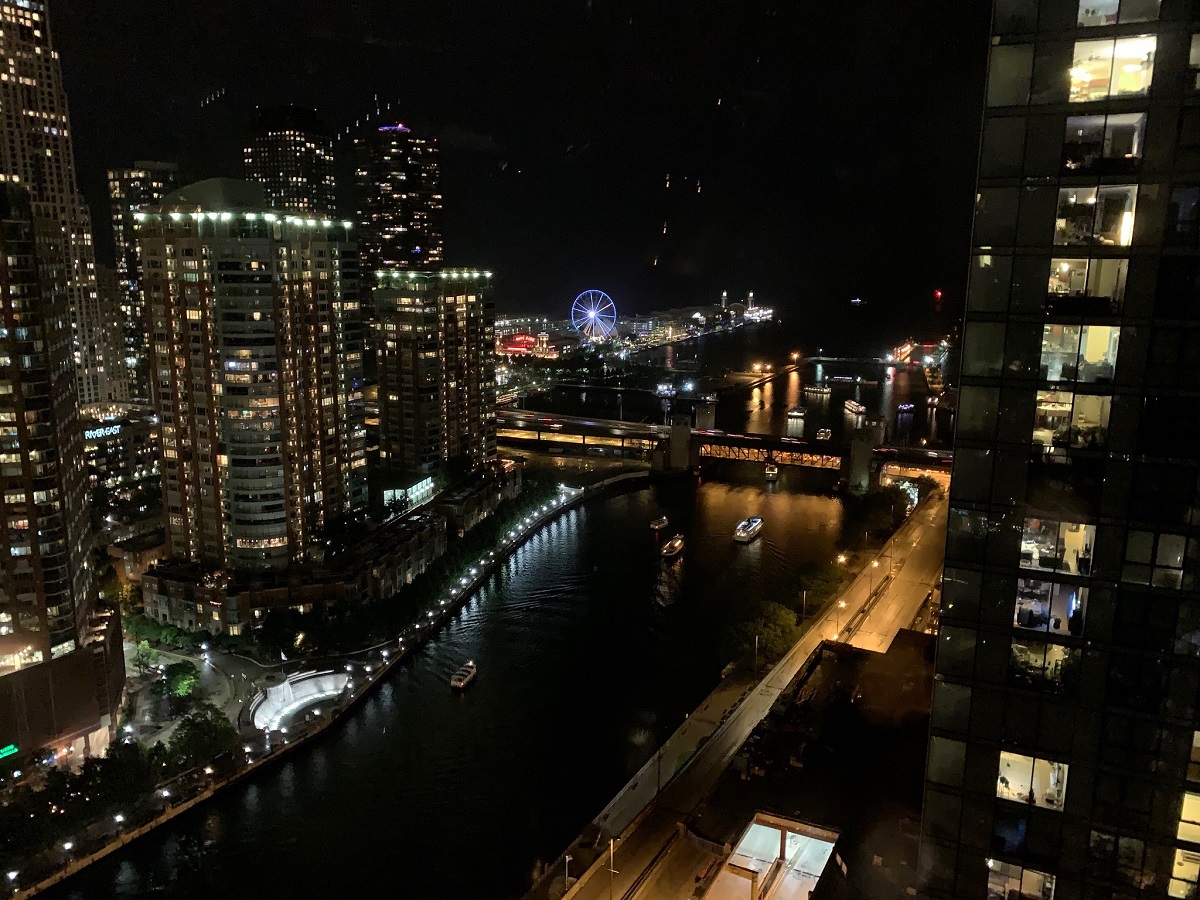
column 591, row 650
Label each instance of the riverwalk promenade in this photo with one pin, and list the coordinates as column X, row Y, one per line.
column 365, row 669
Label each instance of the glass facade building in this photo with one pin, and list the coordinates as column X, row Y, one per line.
column 1064, row 756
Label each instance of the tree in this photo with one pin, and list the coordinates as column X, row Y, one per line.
column 145, row 657
column 180, row 680
column 202, row 736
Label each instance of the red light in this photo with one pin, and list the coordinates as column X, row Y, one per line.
column 937, row 295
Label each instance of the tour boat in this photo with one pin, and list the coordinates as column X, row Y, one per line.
column 659, row 524
column 821, row 390
column 797, row 412
column 463, row 676
column 748, row 529
column 772, row 472
column 673, row 547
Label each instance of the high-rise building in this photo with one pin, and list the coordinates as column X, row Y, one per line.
column 435, row 340
column 254, row 379
column 1064, row 756
column 146, row 183
column 36, row 152
column 291, row 155
column 399, row 199
column 61, row 666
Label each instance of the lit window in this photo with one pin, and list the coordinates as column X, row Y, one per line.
column 1048, row 606
column 1024, row 779
column 1123, row 67
column 1101, row 215
column 1007, row 880
column 1093, row 13
column 1057, row 546
column 1104, row 144
column 1086, row 286
column 1068, row 420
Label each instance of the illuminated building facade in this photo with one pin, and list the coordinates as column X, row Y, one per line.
column 435, row 342
column 399, row 199
column 1064, row 756
column 36, row 152
column 144, row 184
column 257, row 382
column 291, row 155
column 61, row 667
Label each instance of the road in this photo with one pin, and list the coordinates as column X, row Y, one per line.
column 914, row 571
column 652, row 861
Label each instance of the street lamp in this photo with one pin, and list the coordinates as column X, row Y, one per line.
column 612, row 867
column 795, row 357
column 567, row 873
column 874, row 566
column 837, row 618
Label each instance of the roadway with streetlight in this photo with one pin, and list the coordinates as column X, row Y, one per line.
column 649, row 860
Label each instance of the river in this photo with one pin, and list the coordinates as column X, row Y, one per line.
column 895, row 395
column 591, row 651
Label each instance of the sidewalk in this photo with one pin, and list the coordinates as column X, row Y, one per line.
column 642, row 843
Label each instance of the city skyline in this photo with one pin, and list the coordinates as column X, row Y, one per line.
column 540, row 160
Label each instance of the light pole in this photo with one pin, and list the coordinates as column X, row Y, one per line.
column 612, row 866
column 804, row 604
column 874, row 566
column 567, row 873
column 837, row 618
column 756, row 656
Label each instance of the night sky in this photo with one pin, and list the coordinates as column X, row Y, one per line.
column 834, row 144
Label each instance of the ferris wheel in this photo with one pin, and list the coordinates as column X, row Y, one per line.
column 594, row 314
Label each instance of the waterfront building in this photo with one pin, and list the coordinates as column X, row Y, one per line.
column 397, row 183
column 290, row 154
column 36, row 152
column 144, row 184
column 1064, row 756
column 435, row 343
column 193, row 597
column 257, row 382
column 61, row 667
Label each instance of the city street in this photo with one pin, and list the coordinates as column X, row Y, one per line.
column 651, row 862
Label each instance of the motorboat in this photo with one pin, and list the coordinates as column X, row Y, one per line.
column 464, row 676
column 824, row 434
column 797, row 412
column 660, row 523
column 673, row 547
column 820, row 390
column 854, row 408
column 748, row 529
column 772, row 472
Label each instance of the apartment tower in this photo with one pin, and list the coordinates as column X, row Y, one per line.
column 1064, row 757
column 396, row 177
column 61, row 667
column 36, row 152
column 291, row 155
column 435, row 340
column 144, row 184
column 255, row 379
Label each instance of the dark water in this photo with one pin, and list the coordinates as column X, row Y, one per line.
column 898, row 396
column 591, row 651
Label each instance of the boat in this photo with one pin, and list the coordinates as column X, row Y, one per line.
column 748, row 529
column 797, row 412
column 464, row 676
column 821, row 390
column 660, row 523
column 673, row 547
column 824, row 434
column 772, row 472
column 854, row 408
